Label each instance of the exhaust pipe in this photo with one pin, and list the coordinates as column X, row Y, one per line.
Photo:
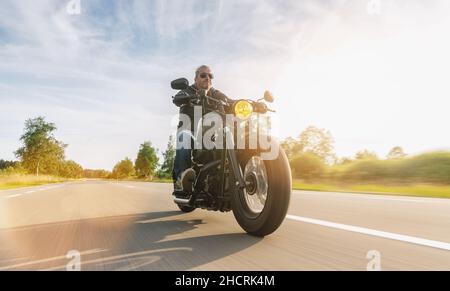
column 181, row 201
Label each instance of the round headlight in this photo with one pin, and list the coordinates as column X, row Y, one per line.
column 243, row 109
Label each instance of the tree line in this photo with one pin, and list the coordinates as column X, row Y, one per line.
column 42, row 154
column 146, row 166
column 312, row 158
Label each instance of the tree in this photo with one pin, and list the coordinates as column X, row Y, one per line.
column 366, row 155
column 307, row 166
column 344, row 161
column 147, row 161
column 7, row 164
column 169, row 157
column 123, row 169
column 396, row 153
column 40, row 152
column 312, row 140
column 70, row 169
column 318, row 142
column 292, row 147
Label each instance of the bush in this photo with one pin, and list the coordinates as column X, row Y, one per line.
column 366, row 170
column 70, row 169
column 428, row 168
column 123, row 169
column 7, row 164
column 96, row 174
column 17, row 169
column 307, row 166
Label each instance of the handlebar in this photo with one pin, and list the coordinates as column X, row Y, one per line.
column 184, row 98
column 260, row 107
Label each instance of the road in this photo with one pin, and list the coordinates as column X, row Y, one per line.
column 136, row 226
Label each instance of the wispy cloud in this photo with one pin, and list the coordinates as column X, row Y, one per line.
column 103, row 76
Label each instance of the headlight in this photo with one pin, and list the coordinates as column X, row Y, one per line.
column 243, row 109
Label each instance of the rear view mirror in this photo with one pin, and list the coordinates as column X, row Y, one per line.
column 180, row 84
column 268, row 97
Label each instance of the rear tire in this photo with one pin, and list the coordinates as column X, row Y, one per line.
column 186, row 209
column 277, row 200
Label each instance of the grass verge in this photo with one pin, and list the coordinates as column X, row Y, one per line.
column 418, row 190
column 19, row 181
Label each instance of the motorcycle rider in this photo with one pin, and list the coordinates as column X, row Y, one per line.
column 203, row 81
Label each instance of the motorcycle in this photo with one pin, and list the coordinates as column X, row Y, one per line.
column 257, row 190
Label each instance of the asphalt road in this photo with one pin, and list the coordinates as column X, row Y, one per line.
column 136, row 226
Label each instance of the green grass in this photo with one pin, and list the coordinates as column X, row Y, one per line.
column 20, row 181
column 419, row 190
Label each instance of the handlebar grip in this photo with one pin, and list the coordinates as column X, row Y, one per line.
column 183, row 98
column 260, row 107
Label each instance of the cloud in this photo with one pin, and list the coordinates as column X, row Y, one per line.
column 103, row 76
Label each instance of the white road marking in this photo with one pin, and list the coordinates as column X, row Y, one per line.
column 14, row 195
column 34, row 191
column 21, row 194
column 123, row 257
column 372, row 232
column 31, row 263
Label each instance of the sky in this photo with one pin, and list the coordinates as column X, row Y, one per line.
column 374, row 73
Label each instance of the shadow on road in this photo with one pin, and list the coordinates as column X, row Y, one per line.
column 150, row 241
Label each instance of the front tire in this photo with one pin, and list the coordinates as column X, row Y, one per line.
column 254, row 220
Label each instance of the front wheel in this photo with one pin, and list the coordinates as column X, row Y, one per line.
column 262, row 206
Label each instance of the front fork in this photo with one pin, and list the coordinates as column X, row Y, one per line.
column 232, row 157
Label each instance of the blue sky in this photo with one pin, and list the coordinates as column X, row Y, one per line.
column 375, row 79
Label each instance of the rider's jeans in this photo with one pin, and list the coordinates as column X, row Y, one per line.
column 182, row 160
column 181, row 163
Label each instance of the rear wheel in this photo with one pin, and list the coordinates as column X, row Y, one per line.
column 262, row 206
column 186, row 209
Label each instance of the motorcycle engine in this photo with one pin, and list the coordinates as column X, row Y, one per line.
column 202, row 156
column 212, row 184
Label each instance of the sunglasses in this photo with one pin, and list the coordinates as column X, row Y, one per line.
column 204, row 75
